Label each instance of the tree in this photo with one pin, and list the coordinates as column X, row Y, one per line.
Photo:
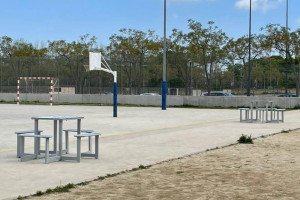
column 286, row 44
column 178, row 59
column 78, row 50
column 207, row 46
column 131, row 48
column 238, row 51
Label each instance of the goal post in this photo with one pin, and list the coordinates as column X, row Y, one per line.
column 51, row 79
column 97, row 62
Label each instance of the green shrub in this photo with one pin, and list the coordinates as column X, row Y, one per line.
column 142, row 167
column 244, row 139
column 65, row 188
column 39, row 193
column 48, row 191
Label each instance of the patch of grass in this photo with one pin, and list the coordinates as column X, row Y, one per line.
column 84, row 183
column 48, row 191
column 60, row 189
column 39, row 193
column 142, row 167
column 244, row 139
column 297, row 107
column 179, row 172
column 285, row 131
column 101, row 178
column 20, row 197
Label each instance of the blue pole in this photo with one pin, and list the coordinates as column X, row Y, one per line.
column 115, row 99
column 164, row 95
column 164, row 82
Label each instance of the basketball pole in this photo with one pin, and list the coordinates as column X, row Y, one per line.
column 115, row 92
column 115, row 98
column 164, row 82
column 95, row 63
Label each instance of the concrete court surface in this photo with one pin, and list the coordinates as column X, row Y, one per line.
column 139, row 135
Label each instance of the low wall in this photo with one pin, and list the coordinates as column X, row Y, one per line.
column 226, row 102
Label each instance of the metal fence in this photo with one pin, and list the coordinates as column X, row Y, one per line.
column 70, row 73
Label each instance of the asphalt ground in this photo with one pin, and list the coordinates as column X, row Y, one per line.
column 140, row 135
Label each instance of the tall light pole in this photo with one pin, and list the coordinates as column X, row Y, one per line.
column 287, row 45
column 249, row 64
column 164, row 82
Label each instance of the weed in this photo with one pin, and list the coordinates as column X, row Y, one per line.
column 39, row 193
column 48, row 191
column 284, row 131
column 142, row 167
column 83, row 183
column 244, row 139
column 65, row 188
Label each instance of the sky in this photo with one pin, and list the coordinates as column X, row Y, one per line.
column 42, row 20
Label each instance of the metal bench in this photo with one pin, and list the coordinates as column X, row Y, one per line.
column 75, row 131
column 246, row 114
column 277, row 111
column 87, row 154
column 18, row 139
column 26, row 157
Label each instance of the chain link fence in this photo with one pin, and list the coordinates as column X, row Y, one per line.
column 70, row 77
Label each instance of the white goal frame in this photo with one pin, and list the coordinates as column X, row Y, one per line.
column 35, row 78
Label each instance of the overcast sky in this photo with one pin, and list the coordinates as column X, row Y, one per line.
column 42, row 20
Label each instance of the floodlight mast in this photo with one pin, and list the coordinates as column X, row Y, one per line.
column 164, row 82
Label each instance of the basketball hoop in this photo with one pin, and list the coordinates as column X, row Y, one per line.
column 98, row 63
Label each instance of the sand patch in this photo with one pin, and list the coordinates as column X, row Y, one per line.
column 268, row 169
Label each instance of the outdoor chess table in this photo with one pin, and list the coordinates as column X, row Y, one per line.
column 256, row 104
column 56, row 119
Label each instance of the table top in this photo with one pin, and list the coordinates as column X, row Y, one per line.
column 57, row 117
column 262, row 101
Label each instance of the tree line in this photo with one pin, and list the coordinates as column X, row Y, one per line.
column 203, row 58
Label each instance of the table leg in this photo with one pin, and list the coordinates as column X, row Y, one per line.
column 78, row 149
column 60, row 130
column 90, row 144
column 97, row 147
column 271, row 111
column 256, row 106
column 251, row 108
column 36, row 140
column 55, row 137
column 78, row 126
column 78, row 140
column 267, row 107
column 67, row 141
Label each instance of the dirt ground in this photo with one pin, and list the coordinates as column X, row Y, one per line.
column 268, row 169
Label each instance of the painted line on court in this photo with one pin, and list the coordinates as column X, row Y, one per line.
column 137, row 132
column 165, row 128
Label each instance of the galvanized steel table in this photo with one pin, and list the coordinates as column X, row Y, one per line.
column 60, row 120
column 266, row 106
